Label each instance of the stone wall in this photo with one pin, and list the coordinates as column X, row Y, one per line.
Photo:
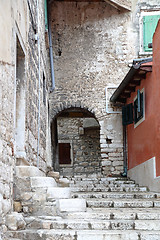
column 37, row 86
column 91, row 52
column 21, row 96
column 85, row 146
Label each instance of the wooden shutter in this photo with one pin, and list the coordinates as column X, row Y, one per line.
column 149, row 27
column 127, row 114
column 64, row 153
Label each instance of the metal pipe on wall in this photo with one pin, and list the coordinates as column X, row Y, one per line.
column 124, row 174
column 51, row 56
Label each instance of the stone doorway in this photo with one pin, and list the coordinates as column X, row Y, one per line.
column 76, row 143
column 20, row 104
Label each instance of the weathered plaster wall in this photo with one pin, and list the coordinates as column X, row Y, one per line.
column 144, row 141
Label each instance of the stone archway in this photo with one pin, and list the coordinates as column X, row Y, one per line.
column 75, row 135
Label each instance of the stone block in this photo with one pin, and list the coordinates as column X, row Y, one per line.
column 147, row 225
column 117, row 163
column 17, row 206
column 72, row 205
column 106, row 163
column 53, row 174
column 63, row 182
column 58, row 193
column 15, row 221
column 106, row 235
column 133, row 204
column 28, row 171
column 104, row 155
column 42, row 182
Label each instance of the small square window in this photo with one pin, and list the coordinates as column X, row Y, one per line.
column 139, row 108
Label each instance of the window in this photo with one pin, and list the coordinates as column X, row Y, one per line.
column 139, row 109
column 148, row 23
column 65, row 150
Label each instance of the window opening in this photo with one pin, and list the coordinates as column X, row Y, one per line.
column 64, row 153
column 139, row 109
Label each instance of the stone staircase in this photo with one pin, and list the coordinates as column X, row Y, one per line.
column 82, row 208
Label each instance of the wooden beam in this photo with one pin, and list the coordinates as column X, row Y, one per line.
column 130, row 88
column 121, row 100
column 126, row 94
column 120, row 4
column 135, row 82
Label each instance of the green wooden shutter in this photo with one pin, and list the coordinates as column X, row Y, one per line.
column 127, row 114
column 149, row 27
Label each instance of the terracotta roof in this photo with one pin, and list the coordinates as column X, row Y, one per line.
column 133, row 78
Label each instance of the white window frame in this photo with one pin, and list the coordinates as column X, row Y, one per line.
column 108, row 108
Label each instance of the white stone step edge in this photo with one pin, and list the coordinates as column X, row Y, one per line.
column 100, row 234
column 43, row 182
column 71, row 205
column 58, row 193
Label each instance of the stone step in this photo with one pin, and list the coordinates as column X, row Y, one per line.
column 40, row 208
column 77, row 224
column 93, row 177
column 85, row 235
column 58, row 192
column 113, row 213
column 123, row 203
column 71, row 205
column 100, row 188
column 116, row 195
column 102, row 181
column 43, row 182
column 24, row 186
column 103, row 185
column 28, row 171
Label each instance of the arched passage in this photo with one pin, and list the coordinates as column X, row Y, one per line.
column 75, row 134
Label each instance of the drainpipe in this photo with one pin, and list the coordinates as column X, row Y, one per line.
column 39, row 83
column 124, row 174
column 51, row 57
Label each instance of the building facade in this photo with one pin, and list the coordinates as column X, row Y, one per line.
column 42, row 111
column 141, row 118
column 92, row 49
